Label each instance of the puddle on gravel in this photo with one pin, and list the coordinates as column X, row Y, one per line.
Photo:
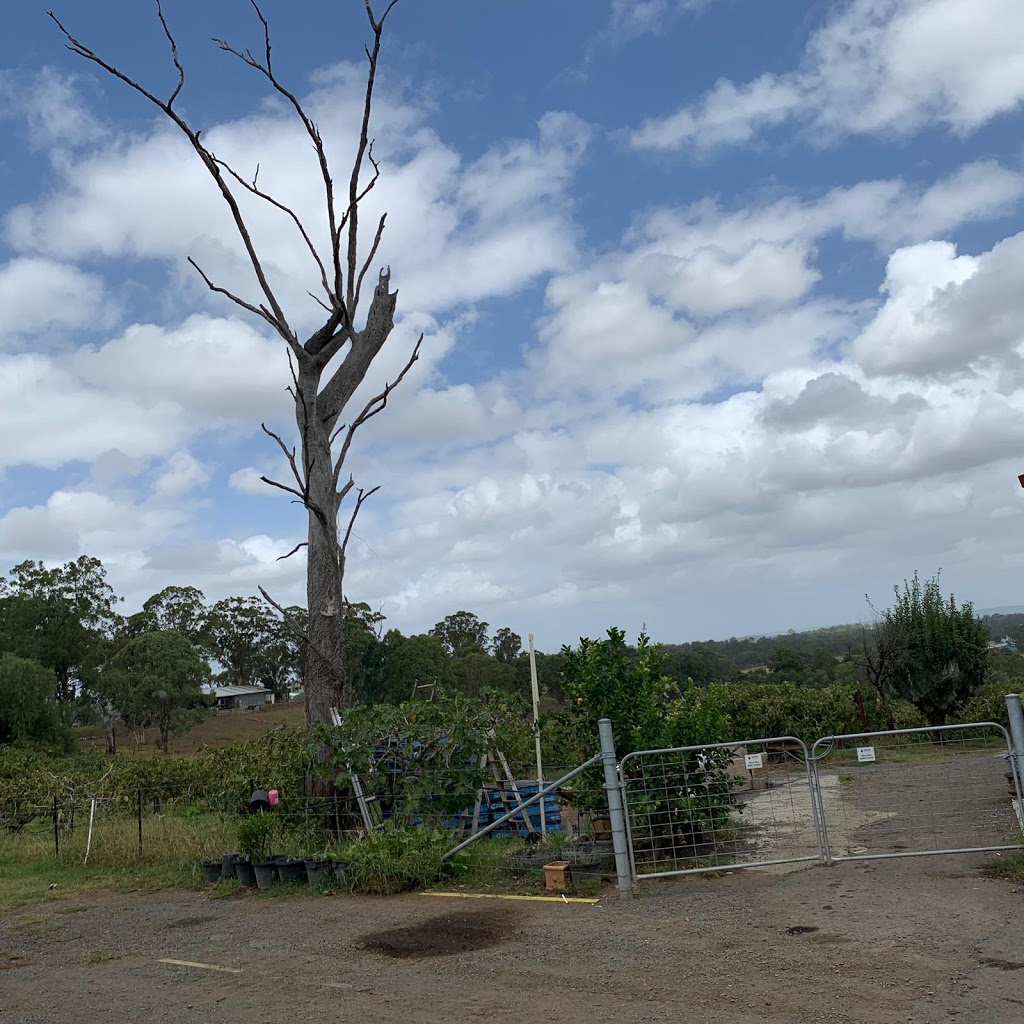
column 445, row 935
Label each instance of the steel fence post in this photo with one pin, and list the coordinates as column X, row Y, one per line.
column 1016, row 717
column 623, row 870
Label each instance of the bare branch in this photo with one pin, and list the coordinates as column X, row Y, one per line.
column 291, row 623
column 174, row 55
column 277, row 318
column 260, row 311
column 285, row 487
column 374, row 407
column 372, row 254
column 298, row 547
column 277, row 204
column 343, row 546
column 267, row 70
column 289, row 454
column 357, row 165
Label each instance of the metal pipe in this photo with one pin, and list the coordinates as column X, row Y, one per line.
column 546, row 791
column 535, row 687
column 613, row 787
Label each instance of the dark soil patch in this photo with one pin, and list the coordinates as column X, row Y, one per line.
column 1002, row 965
column 801, row 929
column 445, row 935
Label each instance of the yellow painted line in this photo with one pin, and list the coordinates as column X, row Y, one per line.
column 496, row 896
column 205, row 967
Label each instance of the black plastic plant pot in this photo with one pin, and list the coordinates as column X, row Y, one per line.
column 245, row 873
column 293, row 871
column 227, row 865
column 211, row 871
column 318, row 871
column 266, row 874
column 580, row 874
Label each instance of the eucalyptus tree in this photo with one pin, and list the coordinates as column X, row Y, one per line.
column 328, row 364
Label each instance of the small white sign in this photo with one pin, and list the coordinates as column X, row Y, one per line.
column 752, row 761
column 865, row 754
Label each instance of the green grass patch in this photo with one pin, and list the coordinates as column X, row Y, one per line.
column 1009, row 866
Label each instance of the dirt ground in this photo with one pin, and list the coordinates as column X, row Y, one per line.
column 925, row 940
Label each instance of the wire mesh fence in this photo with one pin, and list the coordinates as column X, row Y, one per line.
column 412, row 818
column 728, row 805
column 947, row 789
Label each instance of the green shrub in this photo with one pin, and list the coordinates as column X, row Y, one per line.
column 396, row 859
column 256, row 834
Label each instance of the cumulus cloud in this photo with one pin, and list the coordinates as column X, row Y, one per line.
column 45, row 296
column 875, row 67
column 943, row 312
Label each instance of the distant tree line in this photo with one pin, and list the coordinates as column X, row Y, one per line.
column 68, row 656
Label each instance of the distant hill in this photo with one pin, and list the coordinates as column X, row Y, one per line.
column 751, row 651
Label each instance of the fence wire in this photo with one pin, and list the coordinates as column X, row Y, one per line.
column 917, row 792
column 420, row 814
column 697, row 809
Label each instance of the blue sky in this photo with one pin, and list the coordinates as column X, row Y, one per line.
column 721, row 302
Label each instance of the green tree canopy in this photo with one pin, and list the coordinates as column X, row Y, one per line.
column 59, row 617
column 461, row 632
column 506, row 645
column 942, row 653
column 157, row 678
column 475, row 672
column 28, row 709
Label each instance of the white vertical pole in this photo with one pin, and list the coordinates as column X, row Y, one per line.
column 536, row 734
column 88, row 838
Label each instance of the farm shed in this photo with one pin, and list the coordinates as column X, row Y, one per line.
column 239, row 698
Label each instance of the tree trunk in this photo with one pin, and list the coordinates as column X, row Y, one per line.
column 325, row 652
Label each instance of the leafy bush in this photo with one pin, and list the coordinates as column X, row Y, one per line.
column 256, row 834
column 28, row 709
column 422, row 759
column 605, row 679
column 396, row 859
column 987, row 705
column 759, row 710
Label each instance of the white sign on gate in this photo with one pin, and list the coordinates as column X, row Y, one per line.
column 865, row 754
column 752, row 761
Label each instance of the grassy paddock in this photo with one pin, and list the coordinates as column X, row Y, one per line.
column 175, row 843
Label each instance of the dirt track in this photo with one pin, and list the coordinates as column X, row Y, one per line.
column 927, row 940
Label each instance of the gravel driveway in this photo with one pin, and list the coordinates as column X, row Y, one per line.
column 925, row 940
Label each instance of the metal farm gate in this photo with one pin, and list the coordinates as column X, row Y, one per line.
column 728, row 805
column 767, row 802
column 915, row 792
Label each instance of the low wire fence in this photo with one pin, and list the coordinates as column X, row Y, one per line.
column 393, row 835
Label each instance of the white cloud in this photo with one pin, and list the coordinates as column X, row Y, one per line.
column 53, row 109
column 876, row 67
column 57, row 420
column 639, row 17
column 221, row 368
column 944, row 312
column 182, row 473
column 40, row 296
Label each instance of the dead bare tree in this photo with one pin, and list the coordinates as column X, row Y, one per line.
column 881, row 653
column 330, row 364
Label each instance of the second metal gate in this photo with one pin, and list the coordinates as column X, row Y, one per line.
column 767, row 802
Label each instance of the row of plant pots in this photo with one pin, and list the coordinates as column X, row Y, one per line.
column 274, row 870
